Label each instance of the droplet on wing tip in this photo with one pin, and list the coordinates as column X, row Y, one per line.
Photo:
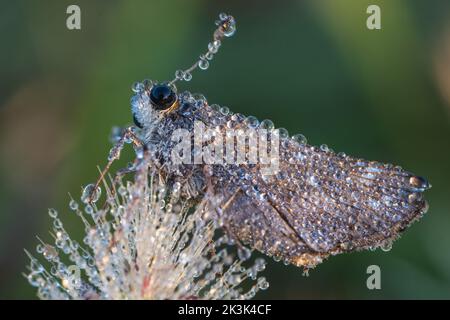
column 419, row 183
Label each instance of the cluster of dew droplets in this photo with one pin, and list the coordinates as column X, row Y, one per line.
column 143, row 243
column 226, row 28
column 59, row 279
column 283, row 133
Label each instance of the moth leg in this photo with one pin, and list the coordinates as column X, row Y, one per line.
column 122, row 172
column 117, row 178
column 119, row 175
column 127, row 135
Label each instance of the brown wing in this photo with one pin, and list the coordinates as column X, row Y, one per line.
column 319, row 204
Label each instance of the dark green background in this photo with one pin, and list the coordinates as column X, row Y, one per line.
column 310, row 66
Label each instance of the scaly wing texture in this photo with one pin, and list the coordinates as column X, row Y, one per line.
column 321, row 204
column 318, row 204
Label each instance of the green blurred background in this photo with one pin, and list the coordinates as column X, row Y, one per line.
column 310, row 66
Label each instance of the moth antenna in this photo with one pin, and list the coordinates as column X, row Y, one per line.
column 226, row 27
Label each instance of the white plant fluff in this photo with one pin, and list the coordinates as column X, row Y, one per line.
column 143, row 242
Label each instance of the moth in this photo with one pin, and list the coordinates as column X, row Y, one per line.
column 315, row 204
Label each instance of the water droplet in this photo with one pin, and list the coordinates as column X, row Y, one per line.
column 200, row 100
column 299, row 138
column 122, row 191
column 203, row 63
column 244, row 253
column 426, row 206
column 387, row 246
column 179, row 74
column 187, row 76
column 324, row 148
column 225, row 110
column 147, row 83
column 35, row 266
column 73, row 205
column 419, row 182
column 212, row 47
column 215, row 107
column 267, row 124
column 176, row 186
column 89, row 194
column 137, row 87
column 252, row 121
column 234, row 279
column 57, row 223
column 39, row 248
column 139, row 152
column 313, row 180
column 414, row 197
column 283, row 133
column 263, row 284
column 49, row 252
column 228, row 25
column 34, row 279
column 260, row 264
column 88, row 209
column 115, row 135
column 52, row 213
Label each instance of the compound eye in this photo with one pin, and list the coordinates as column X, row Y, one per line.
column 162, row 96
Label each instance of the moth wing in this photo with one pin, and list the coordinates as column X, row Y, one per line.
column 321, row 203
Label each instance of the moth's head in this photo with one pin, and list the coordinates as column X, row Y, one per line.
column 151, row 99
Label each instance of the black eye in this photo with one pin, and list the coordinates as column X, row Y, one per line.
column 162, row 96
